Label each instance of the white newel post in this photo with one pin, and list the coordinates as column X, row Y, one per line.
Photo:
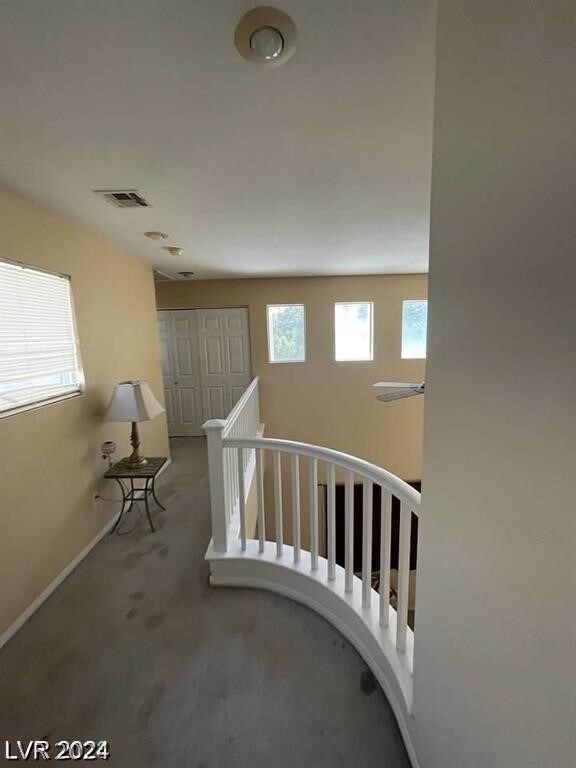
column 216, row 469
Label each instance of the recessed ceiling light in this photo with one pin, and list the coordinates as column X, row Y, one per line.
column 266, row 43
column 266, row 36
column 156, row 235
column 174, row 250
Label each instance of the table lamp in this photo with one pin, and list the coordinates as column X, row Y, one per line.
column 133, row 401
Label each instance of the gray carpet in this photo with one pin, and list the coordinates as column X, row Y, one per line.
column 136, row 648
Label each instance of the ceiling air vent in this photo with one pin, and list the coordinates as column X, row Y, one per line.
column 162, row 277
column 123, row 198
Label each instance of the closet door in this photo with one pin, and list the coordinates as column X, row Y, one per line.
column 225, row 369
column 181, row 372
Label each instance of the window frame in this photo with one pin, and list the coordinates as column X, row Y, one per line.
column 80, row 390
column 411, row 357
column 269, row 333
column 356, row 360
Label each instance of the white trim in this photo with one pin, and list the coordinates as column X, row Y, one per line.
column 63, row 575
column 360, row 626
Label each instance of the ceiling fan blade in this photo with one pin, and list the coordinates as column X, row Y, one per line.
column 398, row 395
column 396, row 384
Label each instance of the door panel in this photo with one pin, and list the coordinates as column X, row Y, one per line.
column 236, row 355
column 169, row 399
column 216, row 399
column 184, row 353
column 188, row 409
column 213, row 356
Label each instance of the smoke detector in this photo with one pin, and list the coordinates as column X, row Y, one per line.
column 123, row 198
column 266, row 36
column 153, row 235
column 186, row 275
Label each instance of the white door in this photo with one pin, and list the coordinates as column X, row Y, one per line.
column 224, row 346
column 205, row 365
column 181, row 372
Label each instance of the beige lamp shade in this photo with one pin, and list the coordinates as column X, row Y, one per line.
column 133, row 401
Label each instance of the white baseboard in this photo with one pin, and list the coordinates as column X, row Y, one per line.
column 43, row 596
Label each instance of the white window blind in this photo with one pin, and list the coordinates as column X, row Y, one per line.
column 38, row 350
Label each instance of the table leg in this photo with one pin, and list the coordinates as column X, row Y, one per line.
column 123, row 511
column 154, row 495
column 147, row 491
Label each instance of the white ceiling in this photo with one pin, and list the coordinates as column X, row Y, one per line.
column 321, row 166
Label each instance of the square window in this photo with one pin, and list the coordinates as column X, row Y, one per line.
column 39, row 359
column 414, row 325
column 286, row 333
column 353, row 331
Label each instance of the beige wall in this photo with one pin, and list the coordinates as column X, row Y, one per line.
column 495, row 658
column 49, row 457
column 322, row 401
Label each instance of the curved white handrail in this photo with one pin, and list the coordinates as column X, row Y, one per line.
column 396, row 485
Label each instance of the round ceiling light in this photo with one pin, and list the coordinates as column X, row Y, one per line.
column 266, row 36
column 174, row 250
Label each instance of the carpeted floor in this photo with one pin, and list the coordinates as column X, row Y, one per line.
column 137, row 649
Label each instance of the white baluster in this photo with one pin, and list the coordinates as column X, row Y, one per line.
column 278, row 502
column 403, row 576
column 295, row 476
column 216, row 471
column 385, row 536
column 349, row 532
column 313, row 480
column 367, row 511
column 331, row 521
column 241, row 497
column 227, row 484
column 260, row 497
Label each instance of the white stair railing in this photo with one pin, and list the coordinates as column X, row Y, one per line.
column 354, row 468
column 379, row 630
column 230, row 474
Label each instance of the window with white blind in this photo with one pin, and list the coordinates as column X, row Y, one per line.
column 39, row 359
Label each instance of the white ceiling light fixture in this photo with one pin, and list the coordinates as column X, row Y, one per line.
column 266, row 36
column 153, row 235
column 174, row 250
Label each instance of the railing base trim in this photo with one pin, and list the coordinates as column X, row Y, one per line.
column 267, row 571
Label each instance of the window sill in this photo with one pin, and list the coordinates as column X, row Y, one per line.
column 42, row 404
column 286, row 362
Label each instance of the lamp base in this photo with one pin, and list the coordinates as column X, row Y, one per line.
column 135, row 460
